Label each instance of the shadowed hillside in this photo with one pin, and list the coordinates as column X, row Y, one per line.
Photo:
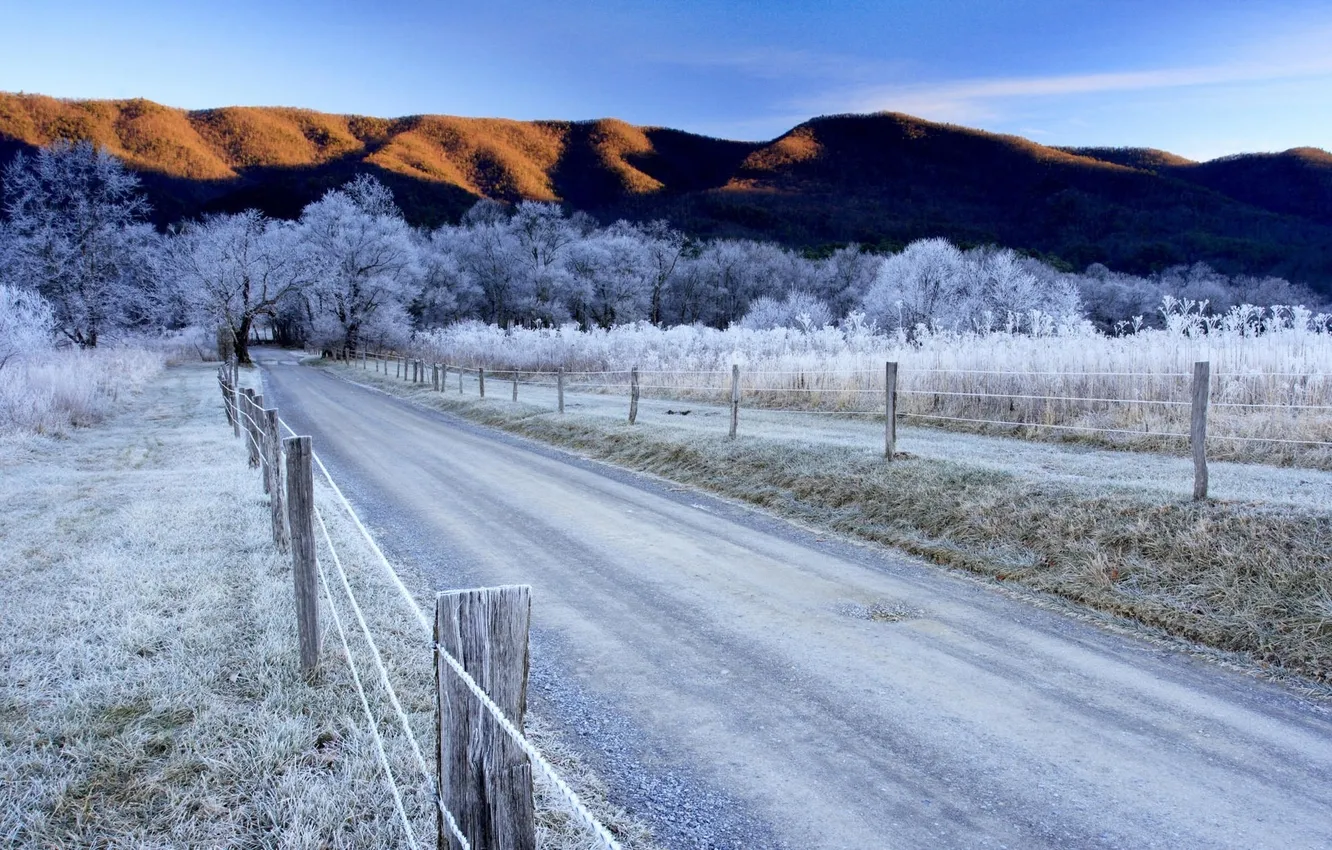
column 881, row 179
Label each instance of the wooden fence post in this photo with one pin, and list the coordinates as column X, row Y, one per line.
column 261, row 438
column 633, row 395
column 443, row 377
column 735, row 398
column 251, row 435
column 273, row 478
column 481, row 377
column 300, row 517
column 559, row 388
column 1202, row 384
column 889, row 410
column 485, row 778
column 224, row 383
column 235, row 395
column 515, row 386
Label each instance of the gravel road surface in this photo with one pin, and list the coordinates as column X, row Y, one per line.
column 742, row 682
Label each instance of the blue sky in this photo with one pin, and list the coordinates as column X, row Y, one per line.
column 1202, row 79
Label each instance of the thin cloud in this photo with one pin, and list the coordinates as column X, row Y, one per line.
column 982, row 98
column 773, row 63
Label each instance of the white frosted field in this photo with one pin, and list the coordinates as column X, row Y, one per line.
column 1163, row 475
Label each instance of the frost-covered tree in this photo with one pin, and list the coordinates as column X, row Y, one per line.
column 799, row 310
column 78, row 237
column 448, row 292
column 844, row 278
column 544, row 237
column 362, row 258
column 664, row 248
column 232, row 270
column 487, row 255
column 611, row 278
column 919, row 286
column 935, row 286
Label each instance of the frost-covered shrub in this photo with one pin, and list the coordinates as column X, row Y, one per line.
column 26, row 324
column 800, row 310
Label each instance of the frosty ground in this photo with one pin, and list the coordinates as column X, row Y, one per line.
column 150, row 695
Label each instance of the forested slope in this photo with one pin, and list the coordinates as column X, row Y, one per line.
column 881, row 179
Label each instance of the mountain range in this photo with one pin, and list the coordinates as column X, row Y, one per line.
column 880, row 180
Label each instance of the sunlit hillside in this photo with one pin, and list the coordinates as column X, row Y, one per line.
column 882, row 179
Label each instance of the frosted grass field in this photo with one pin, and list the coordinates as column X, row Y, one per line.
column 151, row 696
column 1271, row 375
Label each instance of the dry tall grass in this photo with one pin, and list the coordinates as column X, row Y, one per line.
column 54, row 391
column 1271, row 392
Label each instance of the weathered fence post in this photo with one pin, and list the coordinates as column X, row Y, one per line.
column 889, row 410
column 485, row 778
column 261, row 438
column 434, row 377
column 443, row 377
column 224, row 383
column 515, row 386
column 235, row 394
column 559, row 388
column 633, row 395
column 735, row 398
column 252, row 435
column 300, row 517
column 481, row 378
column 273, row 478
column 1202, row 384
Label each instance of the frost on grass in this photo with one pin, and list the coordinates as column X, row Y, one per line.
column 150, row 695
column 52, row 391
column 1271, row 374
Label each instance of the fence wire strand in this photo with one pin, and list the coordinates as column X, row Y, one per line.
column 570, row 797
column 403, row 720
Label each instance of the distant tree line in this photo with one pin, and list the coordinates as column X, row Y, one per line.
column 77, row 255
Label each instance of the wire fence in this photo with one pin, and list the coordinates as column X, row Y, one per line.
column 338, row 593
column 1276, row 417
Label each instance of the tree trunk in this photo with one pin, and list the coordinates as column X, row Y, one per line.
column 353, row 339
column 242, row 335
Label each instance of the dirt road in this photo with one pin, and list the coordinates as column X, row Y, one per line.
column 743, row 683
